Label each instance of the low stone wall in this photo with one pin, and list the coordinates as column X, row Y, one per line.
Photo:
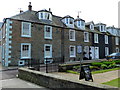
column 54, row 82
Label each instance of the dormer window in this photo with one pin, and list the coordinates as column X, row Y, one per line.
column 66, row 20
column 91, row 27
column 41, row 15
column 69, row 21
column 80, row 23
column 102, row 27
column 45, row 15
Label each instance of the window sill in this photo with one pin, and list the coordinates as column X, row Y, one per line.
column 96, row 42
column 25, row 36
column 86, row 41
column 25, row 58
column 72, row 39
column 72, row 56
column 47, row 38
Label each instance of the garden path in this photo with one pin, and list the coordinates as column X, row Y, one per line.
column 97, row 78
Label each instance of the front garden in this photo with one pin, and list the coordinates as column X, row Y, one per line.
column 98, row 67
column 115, row 82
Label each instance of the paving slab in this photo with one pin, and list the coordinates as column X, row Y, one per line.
column 97, row 78
column 18, row 83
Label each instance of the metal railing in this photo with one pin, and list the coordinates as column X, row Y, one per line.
column 49, row 65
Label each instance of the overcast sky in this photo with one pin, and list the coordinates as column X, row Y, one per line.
column 104, row 11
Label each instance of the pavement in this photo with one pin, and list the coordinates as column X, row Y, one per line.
column 9, row 80
column 8, row 68
column 97, row 78
column 18, row 83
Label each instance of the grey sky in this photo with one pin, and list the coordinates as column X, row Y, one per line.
column 104, row 11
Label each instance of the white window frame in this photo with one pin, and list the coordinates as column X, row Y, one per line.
column 79, row 23
column 106, row 51
column 22, row 35
column 86, row 38
column 116, row 40
column 117, row 50
column 45, row 34
column 106, row 39
column 45, row 50
column 73, row 39
column 3, row 51
column 74, row 51
column 29, row 51
column 96, row 38
column 67, row 20
column 96, row 52
column 91, row 27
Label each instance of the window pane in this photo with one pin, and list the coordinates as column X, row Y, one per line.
column 41, row 15
column 47, row 48
column 82, row 23
column 25, row 51
column 72, row 51
column 72, row 35
column 48, row 32
column 26, row 28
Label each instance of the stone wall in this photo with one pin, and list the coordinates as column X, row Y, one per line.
column 54, row 82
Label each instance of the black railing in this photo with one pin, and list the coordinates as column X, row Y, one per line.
column 49, row 64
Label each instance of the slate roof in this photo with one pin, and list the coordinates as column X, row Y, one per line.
column 31, row 16
column 79, row 19
column 100, row 24
column 88, row 23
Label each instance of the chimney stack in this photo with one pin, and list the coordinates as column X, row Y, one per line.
column 50, row 9
column 21, row 11
column 30, row 7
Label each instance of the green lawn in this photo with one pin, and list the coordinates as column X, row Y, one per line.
column 115, row 82
column 106, row 70
column 95, row 72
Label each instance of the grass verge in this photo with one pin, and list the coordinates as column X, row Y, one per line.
column 94, row 72
column 106, row 70
column 115, row 82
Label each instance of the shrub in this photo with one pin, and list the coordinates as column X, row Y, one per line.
column 112, row 65
column 76, row 67
column 96, row 64
column 103, row 66
column 108, row 62
column 94, row 67
column 117, row 61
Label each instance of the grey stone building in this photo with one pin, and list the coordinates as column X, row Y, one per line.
column 40, row 35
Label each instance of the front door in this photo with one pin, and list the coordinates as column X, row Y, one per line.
column 47, row 52
column 96, row 52
column 92, row 52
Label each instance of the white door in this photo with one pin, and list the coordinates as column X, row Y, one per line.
column 86, row 50
column 96, row 52
column 48, row 52
column 92, row 50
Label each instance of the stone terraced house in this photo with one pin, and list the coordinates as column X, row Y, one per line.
column 40, row 35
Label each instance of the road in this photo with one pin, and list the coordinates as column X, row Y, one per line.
column 8, row 79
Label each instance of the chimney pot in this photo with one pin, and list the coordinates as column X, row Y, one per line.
column 21, row 11
column 50, row 9
column 30, row 7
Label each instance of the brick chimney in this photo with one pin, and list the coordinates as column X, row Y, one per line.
column 30, row 6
